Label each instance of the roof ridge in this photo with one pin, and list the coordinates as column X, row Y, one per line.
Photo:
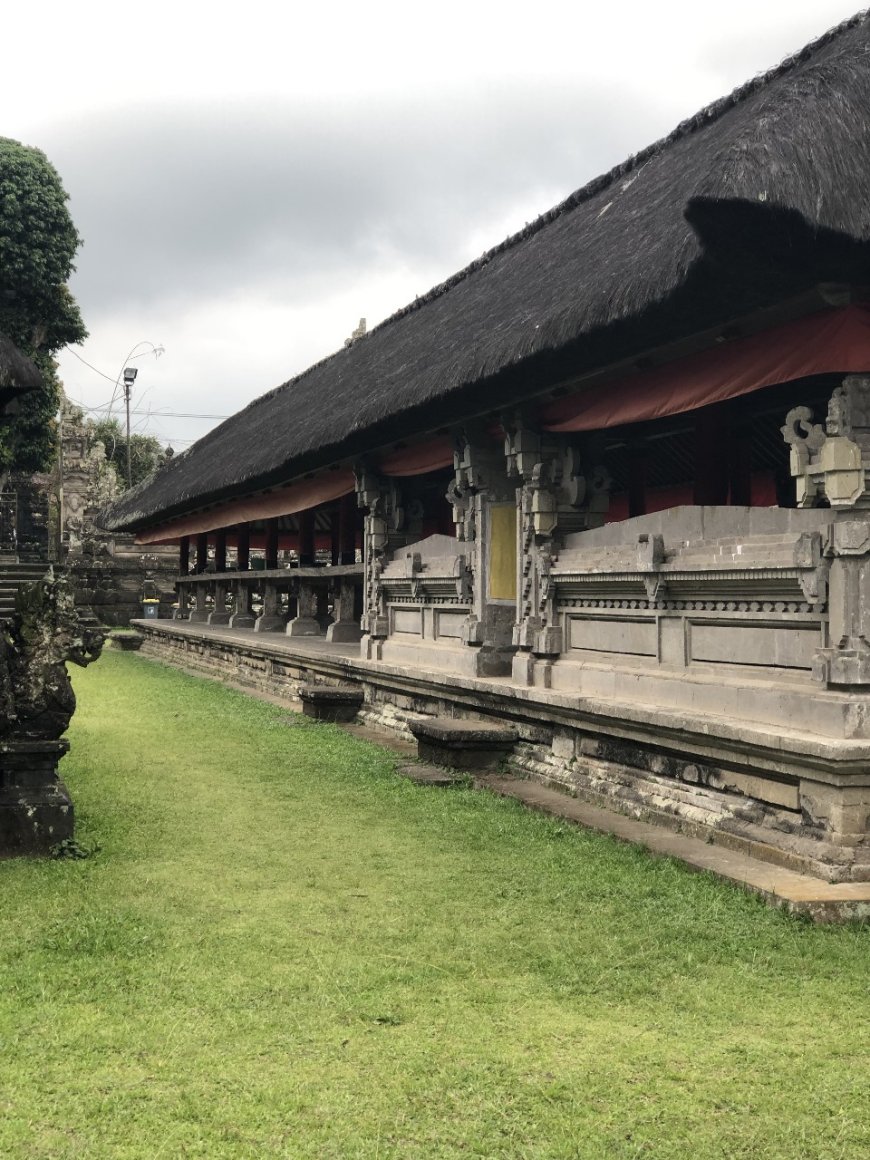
column 704, row 117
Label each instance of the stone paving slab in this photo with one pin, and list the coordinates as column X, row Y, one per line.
column 422, row 773
column 799, row 893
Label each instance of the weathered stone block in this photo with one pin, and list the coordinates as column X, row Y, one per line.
column 35, row 809
column 331, row 702
column 461, row 744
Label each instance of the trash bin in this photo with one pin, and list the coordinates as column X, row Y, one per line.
column 150, row 609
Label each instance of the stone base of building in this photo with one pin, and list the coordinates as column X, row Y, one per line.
column 796, row 799
column 35, row 809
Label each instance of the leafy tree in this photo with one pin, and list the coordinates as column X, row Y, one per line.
column 38, row 242
column 146, row 452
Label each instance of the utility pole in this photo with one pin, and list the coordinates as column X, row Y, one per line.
column 129, row 379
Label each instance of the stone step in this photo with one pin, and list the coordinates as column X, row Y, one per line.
column 331, row 702
column 461, row 744
column 421, row 773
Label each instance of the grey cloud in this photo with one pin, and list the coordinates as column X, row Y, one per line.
column 183, row 203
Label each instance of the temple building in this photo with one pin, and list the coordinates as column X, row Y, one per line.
column 609, row 484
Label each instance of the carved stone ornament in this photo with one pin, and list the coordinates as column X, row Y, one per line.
column 831, row 462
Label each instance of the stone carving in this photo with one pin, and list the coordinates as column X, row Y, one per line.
column 36, row 704
column 89, row 480
column 45, row 632
column 558, row 496
column 831, row 462
column 380, row 501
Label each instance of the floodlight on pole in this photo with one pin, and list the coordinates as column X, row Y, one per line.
column 129, row 379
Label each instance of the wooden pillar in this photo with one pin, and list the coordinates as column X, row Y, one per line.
column 201, row 551
column 711, row 456
column 348, row 517
column 335, row 535
column 220, row 550
column 243, row 551
column 637, row 464
column 741, row 466
column 306, row 539
column 184, row 555
column 272, row 542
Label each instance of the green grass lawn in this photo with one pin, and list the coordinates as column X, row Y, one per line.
column 282, row 949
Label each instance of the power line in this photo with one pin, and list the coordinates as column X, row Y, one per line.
column 96, row 370
column 150, row 411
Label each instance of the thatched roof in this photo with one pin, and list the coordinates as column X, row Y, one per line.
column 17, row 373
column 759, row 196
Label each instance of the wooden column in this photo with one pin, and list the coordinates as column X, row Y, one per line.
column 711, row 456
column 201, row 551
column 306, row 539
column 741, row 466
column 348, row 517
column 243, row 550
column 272, row 542
column 184, row 555
column 220, row 550
column 637, row 464
column 335, row 536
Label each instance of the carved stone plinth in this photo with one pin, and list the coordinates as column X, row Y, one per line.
column 463, row 744
column 303, row 626
column 331, row 702
column 344, row 631
column 35, row 809
column 266, row 623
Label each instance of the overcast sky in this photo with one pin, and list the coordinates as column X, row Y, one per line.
column 250, row 180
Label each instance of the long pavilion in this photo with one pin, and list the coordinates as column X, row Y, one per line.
column 609, row 484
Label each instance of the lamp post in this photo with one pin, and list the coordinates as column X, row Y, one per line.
column 129, row 376
column 129, row 379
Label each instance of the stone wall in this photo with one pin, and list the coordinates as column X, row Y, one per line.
column 800, row 801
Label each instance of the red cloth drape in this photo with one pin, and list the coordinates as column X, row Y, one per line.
column 419, row 458
column 283, row 501
column 833, row 341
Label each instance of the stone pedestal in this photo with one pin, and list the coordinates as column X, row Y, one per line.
column 271, row 619
column 35, row 809
column 220, row 614
column 331, row 702
column 344, row 628
column 458, row 744
column 305, row 623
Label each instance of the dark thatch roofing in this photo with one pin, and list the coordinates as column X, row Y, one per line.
column 760, row 195
column 17, row 372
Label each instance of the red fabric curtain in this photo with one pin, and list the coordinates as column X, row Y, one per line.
column 284, row 501
column 430, row 455
column 835, row 341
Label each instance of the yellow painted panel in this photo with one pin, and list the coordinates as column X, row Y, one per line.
column 503, row 552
